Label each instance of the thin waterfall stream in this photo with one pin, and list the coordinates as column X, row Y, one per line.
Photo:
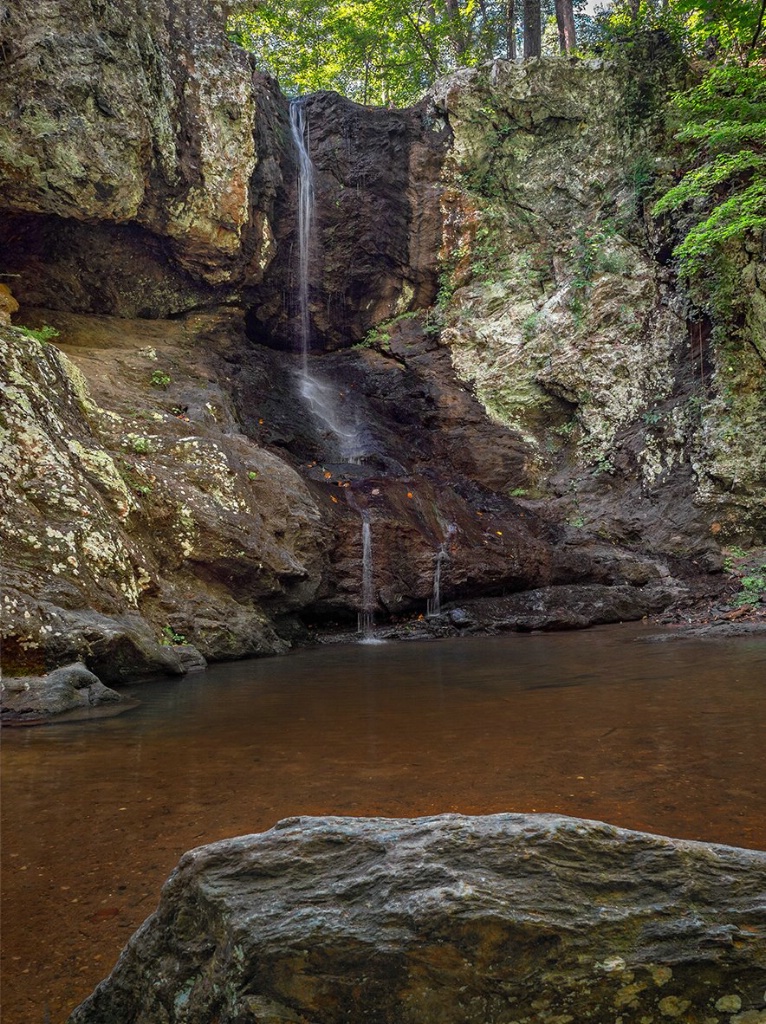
column 434, row 603
column 320, row 396
column 299, row 130
column 367, row 614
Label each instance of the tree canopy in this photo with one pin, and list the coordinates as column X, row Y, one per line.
column 389, row 51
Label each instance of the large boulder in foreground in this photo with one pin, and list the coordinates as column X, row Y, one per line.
column 507, row 918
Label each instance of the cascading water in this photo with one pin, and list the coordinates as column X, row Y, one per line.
column 367, row 614
column 434, row 603
column 298, row 127
column 320, row 396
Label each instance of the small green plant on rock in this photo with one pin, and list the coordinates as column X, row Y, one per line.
column 160, row 379
column 140, row 445
column 170, row 637
column 252, row 474
column 529, row 326
column 652, row 417
column 42, row 334
column 752, row 588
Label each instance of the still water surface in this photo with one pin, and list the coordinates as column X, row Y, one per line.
column 666, row 737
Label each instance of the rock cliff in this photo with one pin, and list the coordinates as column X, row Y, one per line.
column 491, row 310
column 509, row 918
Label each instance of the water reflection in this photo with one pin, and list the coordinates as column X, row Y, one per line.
column 663, row 737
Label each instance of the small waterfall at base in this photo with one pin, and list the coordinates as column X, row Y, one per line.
column 366, row 623
column 319, row 395
column 434, row 603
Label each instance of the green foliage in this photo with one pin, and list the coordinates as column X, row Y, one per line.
column 42, row 334
column 529, row 326
column 159, row 379
column 169, row 636
column 380, row 337
column 752, row 588
column 252, row 474
column 375, row 51
column 589, row 256
column 724, row 127
column 139, row 444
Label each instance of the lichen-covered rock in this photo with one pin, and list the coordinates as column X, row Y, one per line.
column 137, row 517
column 129, row 174
column 510, row 918
column 66, row 689
column 558, row 312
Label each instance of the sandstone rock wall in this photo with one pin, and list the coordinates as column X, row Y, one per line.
column 127, row 156
column 561, row 309
column 134, row 513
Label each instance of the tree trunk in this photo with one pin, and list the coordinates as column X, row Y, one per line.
column 457, row 34
column 532, row 28
column 566, row 25
column 510, row 29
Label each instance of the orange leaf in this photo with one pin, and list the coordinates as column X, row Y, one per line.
column 333, row 498
column 327, row 475
column 409, row 494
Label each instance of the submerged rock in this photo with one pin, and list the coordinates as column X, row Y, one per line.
column 70, row 688
column 452, row 919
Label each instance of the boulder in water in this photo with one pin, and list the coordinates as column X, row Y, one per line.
column 450, row 919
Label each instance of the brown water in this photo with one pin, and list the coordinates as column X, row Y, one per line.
column 664, row 737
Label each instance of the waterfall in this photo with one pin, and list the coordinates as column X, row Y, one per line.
column 299, row 131
column 367, row 614
column 434, row 603
column 319, row 396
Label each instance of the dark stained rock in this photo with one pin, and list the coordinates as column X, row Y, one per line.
column 378, row 228
column 190, row 658
column 574, row 606
column 505, row 919
column 66, row 689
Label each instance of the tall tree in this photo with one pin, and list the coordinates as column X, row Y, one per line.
column 532, row 28
column 566, row 25
column 510, row 30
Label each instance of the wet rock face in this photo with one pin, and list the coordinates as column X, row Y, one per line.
column 435, row 478
column 450, row 920
column 377, row 223
column 135, row 122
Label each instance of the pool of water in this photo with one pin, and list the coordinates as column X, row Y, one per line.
column 666, row 737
